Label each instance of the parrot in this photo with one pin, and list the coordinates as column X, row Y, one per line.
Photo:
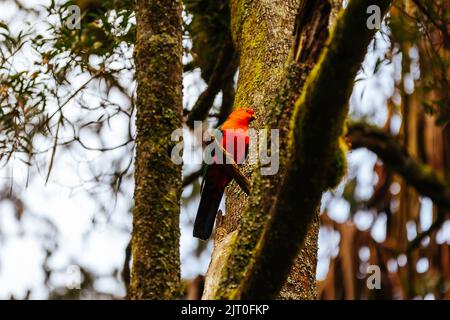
column 216, row 177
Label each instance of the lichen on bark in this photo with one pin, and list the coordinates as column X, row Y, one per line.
column 270, row 84
column 279, row 220
column 155, row 239
column 317, row 125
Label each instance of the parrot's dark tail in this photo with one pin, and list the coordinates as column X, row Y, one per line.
column 207, row 210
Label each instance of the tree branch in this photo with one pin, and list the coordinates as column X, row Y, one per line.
column 318, row 119
column 228, row 94
column 221, row 72
column 311, row 22
column 20, row 5
column 126, row 274
column 432, row 19
column 422, row 177
column 192, row 177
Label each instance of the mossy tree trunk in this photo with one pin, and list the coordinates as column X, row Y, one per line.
column 155, row 240
column 279, row 220
column 263, row 33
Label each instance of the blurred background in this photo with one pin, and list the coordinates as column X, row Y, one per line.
column 67, row 148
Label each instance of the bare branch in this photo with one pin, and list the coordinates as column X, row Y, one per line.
column 422, row 177
column 192, row 177
column 126, row 268
column 318, row 119
column 430, row 17
column 223, row 68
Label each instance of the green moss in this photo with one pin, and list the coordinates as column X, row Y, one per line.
column 338, row 168
column 317, row 125
column 239, row 13
column 257, row 74
column 155, row 245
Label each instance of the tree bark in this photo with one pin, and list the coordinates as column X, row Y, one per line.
column 318, row 154
column 258, row 266
column 264, row 33
column 155, row 239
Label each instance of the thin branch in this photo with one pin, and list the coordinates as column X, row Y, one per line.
column 55, row 144
column 73, row 95
column 189, row 67
column 192, row 177
column 126, row 275
column 422, row 177
column 224, row 66
column 430, row 17
column 228, row 95
column 318, row 119
column 20, row 5
column 312, row 24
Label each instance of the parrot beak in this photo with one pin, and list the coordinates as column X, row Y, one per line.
column 252, row 118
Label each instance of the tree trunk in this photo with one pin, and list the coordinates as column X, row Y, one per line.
column 263, row 35
column 282, row 209
column 155, row 239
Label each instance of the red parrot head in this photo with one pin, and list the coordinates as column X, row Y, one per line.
column 243, row 116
